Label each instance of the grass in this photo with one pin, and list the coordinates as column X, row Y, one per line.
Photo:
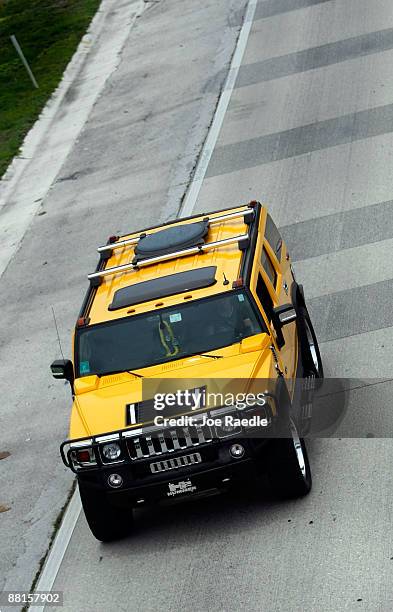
column 48, row 32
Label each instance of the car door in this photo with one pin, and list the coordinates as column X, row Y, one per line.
column 273, row 289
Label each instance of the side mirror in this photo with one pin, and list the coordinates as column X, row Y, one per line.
column 285, row 314
column 62, row 369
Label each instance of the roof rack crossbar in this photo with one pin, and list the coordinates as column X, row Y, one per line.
column 131, row 241
column 118, row 245
column 234, row 215
column 182, row 253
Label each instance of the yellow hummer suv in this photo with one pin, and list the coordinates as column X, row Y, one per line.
column 173, row 313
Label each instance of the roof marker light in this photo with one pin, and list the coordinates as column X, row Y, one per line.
column 83, row 321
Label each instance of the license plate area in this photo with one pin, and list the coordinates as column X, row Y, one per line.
column 165, row 465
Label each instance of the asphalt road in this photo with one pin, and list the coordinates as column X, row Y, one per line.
column 308, row 130
column 128, row 168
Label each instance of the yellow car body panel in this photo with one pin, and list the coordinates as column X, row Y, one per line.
column 226, row 259
column 99, row 404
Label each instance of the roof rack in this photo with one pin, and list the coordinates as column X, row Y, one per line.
column 248, row 214
column 242, row 240
column 251, row 211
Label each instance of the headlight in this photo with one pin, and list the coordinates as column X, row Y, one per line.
column 111, row 451
column 259, row 418
column 227, row 428
column 225, row 424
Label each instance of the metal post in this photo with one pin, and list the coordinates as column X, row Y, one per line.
column 24, row 60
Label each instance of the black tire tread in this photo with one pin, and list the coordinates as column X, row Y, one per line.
column 285, row 477
column 107, row 522
column 303, row 316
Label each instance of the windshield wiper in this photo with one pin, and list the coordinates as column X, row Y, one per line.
column 119, row 372
column 210, row 356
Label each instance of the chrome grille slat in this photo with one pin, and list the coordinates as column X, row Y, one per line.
column 167, row 441
column 150, row 446
column 161, row 439
column 208, row 431
column 138, row 448
column 201, row 437
column 175, row 439
column 187, row 436
column 175, row 463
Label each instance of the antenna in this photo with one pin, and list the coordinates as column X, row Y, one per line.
column 62, row 354
column 226, row 281
column 57, row 331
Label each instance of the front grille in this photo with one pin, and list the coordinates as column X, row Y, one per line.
column 167, row 441
column 176, row 462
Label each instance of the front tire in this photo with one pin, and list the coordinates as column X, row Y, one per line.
column 106, row 522
column 288, row 466
column 312, row 361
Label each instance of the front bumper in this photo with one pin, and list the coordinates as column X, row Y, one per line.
column 217, row 472
column 190, row 486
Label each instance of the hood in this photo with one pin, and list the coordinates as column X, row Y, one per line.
column 100, row 403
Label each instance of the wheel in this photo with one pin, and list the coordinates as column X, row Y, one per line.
column 309, row 346
column 106, row 522
column 288, row 467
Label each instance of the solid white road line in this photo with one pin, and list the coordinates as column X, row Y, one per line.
column 57, row 552
column 214, row 131
column 59, row 547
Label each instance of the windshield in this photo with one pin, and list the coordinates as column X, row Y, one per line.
column 171, row 333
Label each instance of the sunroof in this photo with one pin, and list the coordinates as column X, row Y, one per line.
column 164, row 286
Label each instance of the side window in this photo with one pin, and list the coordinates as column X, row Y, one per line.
column 264, row 297
column 273, row 237
column 268, row 306
column 268, row 267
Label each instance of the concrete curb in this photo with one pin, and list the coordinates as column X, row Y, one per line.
column 47, row 145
